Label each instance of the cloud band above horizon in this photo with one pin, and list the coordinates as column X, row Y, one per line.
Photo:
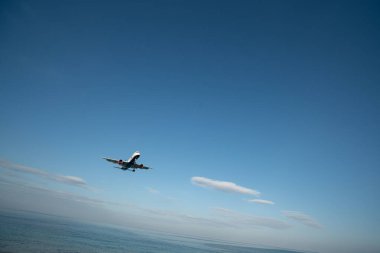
column 71, row 180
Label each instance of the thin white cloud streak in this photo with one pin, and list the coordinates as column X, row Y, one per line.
column 250, row 221
column 302, row 218
column 152, row 191
column 157, row 193
column 70, row 180
column 223, row 186
column 261, row 201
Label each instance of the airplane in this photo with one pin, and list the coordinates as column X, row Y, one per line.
column 129, row 164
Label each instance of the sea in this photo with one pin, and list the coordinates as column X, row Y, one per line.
column 35, row 232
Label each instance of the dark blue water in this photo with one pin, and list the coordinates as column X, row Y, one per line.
column 27, row 232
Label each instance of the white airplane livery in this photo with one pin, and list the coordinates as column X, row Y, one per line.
column 129, row 164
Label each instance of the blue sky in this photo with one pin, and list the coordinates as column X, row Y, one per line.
column 281, row 97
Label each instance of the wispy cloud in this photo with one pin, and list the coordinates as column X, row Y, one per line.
column 302, row 218
column 152, row 191
column 159, row 194
column 261, row 201
column 250, row 221
column 71, row 180
column 223, row 186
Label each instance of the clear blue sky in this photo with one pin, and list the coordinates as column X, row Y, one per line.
column 282, row 97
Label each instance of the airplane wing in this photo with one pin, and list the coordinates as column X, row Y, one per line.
column 119, row 162
column 111, row 160
column 140, row 166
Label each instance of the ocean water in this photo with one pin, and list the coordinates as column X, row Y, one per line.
column 28, row 232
